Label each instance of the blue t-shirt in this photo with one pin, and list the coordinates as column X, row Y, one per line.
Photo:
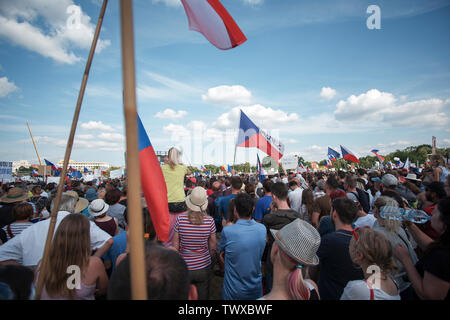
column 223, row 203
column 118, row 247
column 262, row 207
column 336, row 267
column 244, row 244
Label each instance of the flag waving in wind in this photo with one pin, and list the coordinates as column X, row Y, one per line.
column 259, row 169
column 153, row 184
column 211, row 19
column 251, row 136
column 333, row 155
column 348, row 155
column 375, row 152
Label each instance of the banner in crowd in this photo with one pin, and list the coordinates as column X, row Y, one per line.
column 6, row 171
column 289, row 162
column 116, row 173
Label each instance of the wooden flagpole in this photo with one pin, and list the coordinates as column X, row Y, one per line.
column 35, row 148
column 136, row 232
column 51, row 229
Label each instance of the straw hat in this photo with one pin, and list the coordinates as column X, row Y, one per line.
column 412, row 176
column 300, row 241
column 82, row 203
column 98, row 207
column 197, row 199
column 14, row 195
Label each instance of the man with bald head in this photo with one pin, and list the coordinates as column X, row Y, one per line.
column 211, row 210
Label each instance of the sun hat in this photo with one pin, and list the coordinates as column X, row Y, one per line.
column 82, row 203
column 98, row 207
column 91, row 194
column 389, row 180
column 300, row 241
column 14, row 195
column 197, row 199
column 412, row 176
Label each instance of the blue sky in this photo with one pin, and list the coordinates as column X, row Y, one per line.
column 311, row 73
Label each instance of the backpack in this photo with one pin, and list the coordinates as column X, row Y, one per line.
column 363, row 198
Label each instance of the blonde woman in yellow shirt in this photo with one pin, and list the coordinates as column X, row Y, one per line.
column 174, row 172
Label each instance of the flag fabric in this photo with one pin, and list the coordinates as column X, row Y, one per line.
column 333, row 155
column 153, row 184
column 348, row 155
column 407, row 164
column 223, row 168
column 328, row 163
column 211, row 19
column 259, row 169
column 85, row 170
column 202, row 168
column 251, row 136
column 230, row 169
column 48, row 163
column 301, row 165
column 34, row 173
column 374, row 151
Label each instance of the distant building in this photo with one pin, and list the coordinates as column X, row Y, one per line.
column 21, row 163
column 80, row 165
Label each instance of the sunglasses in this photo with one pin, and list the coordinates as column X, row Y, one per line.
column 354, row 231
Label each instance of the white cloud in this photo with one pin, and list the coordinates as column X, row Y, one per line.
column 381, row 108
column 176, row 130
column 112, row 136
column 170, row 114
column 228, row 95
column 67, row 28
column 85, row 136
column 253, row 2
column 165, row 89
column 327, row 93
column 6, row 87
column 266, row 118
column 96, row 125
column 169, row 3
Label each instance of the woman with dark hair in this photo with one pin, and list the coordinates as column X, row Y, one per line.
column 116, row 210
column 430, row 277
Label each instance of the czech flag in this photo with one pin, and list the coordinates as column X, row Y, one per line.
column 251, row 136
column 153, row 184
column 230, row 169
column 333, row 155
column 328, row 163
column 203, row 168
column 34, row 173
column 375, row 152
column 48, row 163
column 259, row 169
column 211, row 19
column 348, row 155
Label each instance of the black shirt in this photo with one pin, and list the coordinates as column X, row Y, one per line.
column 336, row 267
column 436, row 262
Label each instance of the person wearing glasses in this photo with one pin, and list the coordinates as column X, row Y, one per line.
column 195, row 239
column 372, row 252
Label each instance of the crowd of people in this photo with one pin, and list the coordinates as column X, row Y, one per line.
column 302, row 236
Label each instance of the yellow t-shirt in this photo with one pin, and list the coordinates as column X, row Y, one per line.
column 174, row 182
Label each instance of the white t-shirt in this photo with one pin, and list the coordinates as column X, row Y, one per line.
column 28, row 247
column 359, row 290
column 295, row 197
column 367, row 220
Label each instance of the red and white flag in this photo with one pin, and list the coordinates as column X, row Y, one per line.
column 210, row 18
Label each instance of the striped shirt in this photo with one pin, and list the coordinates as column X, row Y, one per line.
column 16, row 228
column 194, row 241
